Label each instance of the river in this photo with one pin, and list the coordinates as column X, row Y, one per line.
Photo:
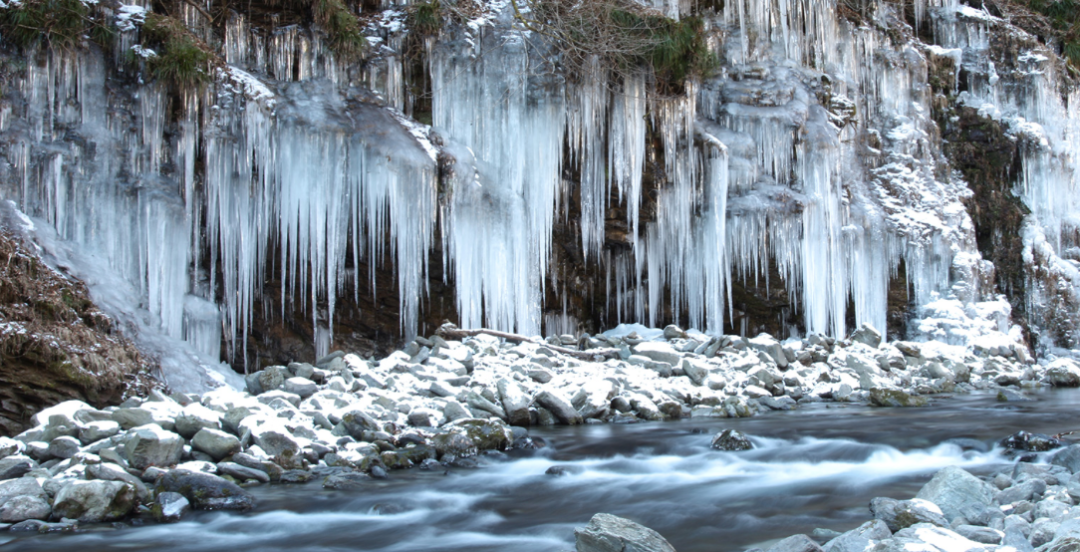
column 818, row 466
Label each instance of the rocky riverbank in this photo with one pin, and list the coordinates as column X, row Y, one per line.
column 442, row 403
column 1030, row 507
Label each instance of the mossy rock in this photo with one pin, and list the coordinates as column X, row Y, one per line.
column 895, row 397
column 453, row 442
column 490, row 434
column 206, row 491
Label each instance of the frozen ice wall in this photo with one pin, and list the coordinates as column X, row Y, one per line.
column 176, row 222
column 811, row 154
column 1019, row 82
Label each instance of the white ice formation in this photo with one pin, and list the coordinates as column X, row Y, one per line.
column 813, row 151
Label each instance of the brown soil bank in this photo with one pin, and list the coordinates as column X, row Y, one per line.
column 55, row 344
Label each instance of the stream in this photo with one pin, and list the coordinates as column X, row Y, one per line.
column 818, row 466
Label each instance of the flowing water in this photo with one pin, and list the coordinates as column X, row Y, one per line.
column 818, row 466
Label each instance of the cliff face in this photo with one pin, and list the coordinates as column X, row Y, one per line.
column 265, row 180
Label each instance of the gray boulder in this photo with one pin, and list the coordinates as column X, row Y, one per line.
column 900, row 514
column 928, row 538
column 560, row 407
column 984, row 535
column 205, row 491
column 23, row 486
column 9, row 446
column 216, row 443
column 515, row 402
column 95, row 501
column 195, row 417
column 111, row 472
column 770, row 346
column 22, row 508
column 867, row 335
column 356, row 422
column 63, row 447
column 731, row 439
column 275, row 439
column 895, row 397
column 1021, row 491
column 150, row 445
column 300, row 386
column 860, row 538
column 16, row 465
column 272, row 377
column 1063, row 372
column 169, row 507
column 1068, row 457
column 954, row 490
column 608, row 533
column 795, row 543
column 96, row 431
column 695, row 370
column 658, row 351
column 1062, row 544
column 242, row 473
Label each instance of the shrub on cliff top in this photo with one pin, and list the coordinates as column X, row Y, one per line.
column 60, row 24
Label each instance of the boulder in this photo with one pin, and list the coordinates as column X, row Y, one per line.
column 1063, row 372
column 195, row 417
column 985, row 535
column 242, row 473
column 16, row 465
column 1061, row 544
column 111, row 472
column 608, row 533
column 9, row 447
column 149, row 413
column 770, row 346
column 300, row 386
column 731, row 439
column 63, row 447
column 489, row 434
column 515, row 402
column 954, row 490
column 348, row 481
column 216, row 443
column 22, row 508
column 356, row 422
column 795, row 543
column 1068, row 458
column 560, row 407
column 95, row 501
column 272, row 377
column 658, row 351
column 1021, row 491
column 169, row 507
column 928, row 538
column 150, row 445
column 96, row 431
column 895, row 397
column 900, row 514
column 274, row 438
column 695, row 370
column 454, row 443
column 858, row 539
column 1033, row 442
column 867, row 335
column 205, row 491
column 23, row 486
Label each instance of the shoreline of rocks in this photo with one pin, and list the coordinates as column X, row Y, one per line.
column 441, row 403
column 1028, row 507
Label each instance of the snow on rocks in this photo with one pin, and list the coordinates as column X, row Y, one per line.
column 442, row 402
column 1028, row 507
